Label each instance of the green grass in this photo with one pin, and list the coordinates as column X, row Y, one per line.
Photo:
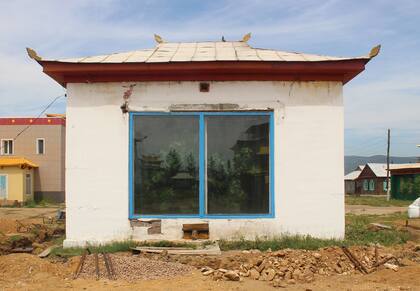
column 375, row 201
column 114, row 247
column 357, row 233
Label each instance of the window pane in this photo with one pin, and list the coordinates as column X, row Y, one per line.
column 166, row 158
column 237, row 164
column 28, row 184
column 40, row 146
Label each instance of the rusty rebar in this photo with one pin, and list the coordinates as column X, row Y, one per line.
column 97, row 265
column 354, row 260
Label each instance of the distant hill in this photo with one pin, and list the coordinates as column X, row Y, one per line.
column 351, row 162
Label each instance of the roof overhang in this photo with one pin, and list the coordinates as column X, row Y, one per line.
column 337, row 70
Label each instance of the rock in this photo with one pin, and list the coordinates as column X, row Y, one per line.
column 279, row 283
column 244, row 274
column 270, row 274
column 316, row 255
column 391, row 266
column 261, row 266
column 207, row 273
column 296, row 274
column 222, row 270
column 254, row 274
column 291, row 281
column 231, row 276
column 279, row 254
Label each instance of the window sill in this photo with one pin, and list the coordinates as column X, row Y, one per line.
column 214, row 216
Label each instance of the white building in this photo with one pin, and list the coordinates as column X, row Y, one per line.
column 247, row 140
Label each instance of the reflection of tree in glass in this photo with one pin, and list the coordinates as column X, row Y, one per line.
column 172, row 186
column 190, row 164
column 173, row 162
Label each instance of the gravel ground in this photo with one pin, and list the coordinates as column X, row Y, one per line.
column 131, row 268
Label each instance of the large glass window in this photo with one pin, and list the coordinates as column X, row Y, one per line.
column 201, row 164
column 166, row 164
column 237, row 164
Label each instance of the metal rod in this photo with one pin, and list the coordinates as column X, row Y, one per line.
column 107, row 266
column 354, row 260
column 80, row 265
column 111, row 265
column 97, row 266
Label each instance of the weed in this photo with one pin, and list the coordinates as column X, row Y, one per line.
column 357, row 233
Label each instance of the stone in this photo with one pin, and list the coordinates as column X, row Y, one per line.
column 296, row 274
column 291, row 281
column 279, row 283
column 254, row 274
column 270, row 273
column 207, row 273
column 316, row 255
column 231, row 276
column 391, row 267
column 288, row 275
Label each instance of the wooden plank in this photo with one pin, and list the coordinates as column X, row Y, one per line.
column 195, row 226
column 215, row 251
column 45, row 253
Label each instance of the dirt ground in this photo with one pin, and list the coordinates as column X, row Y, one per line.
column 29, row 272
column 365, row 209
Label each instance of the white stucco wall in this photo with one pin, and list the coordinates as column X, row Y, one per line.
column 309, row 157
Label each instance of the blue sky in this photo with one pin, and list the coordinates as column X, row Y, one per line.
column 386, row 95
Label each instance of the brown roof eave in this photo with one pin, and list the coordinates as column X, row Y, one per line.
column 342, row 70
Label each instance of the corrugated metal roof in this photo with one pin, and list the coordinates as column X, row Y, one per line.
column 16, row 161
column 203, row 52
column 380, row 169
column 405, row 166
column 352, row 175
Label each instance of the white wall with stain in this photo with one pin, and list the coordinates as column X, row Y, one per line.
column 309, row 157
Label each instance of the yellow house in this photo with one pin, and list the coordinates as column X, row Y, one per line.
column 16, row 179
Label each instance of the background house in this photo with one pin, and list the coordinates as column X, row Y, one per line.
column 211, row 132
column 350, row 180
column 16, row 180
column 405, row 181
column 41, row 142
column 372, row 180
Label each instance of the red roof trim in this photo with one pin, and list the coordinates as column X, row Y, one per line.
column 32, row 121
column 343, row 70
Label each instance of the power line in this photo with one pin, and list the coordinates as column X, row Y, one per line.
column 36, row 118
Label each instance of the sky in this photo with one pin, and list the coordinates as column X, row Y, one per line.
column 386, row 95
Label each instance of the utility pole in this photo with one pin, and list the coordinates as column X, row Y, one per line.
column 388, row 188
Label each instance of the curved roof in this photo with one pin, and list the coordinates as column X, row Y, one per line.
column 168, row 52
column 203, row 61
column 16, row 161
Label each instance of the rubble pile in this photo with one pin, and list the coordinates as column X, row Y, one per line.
column 132, row 268
column 292, row 266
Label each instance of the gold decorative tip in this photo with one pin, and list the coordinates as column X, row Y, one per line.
column 246, row 37
column 374, row 51
column 159, row 39
column 32, row 54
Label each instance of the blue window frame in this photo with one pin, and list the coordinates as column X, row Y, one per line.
column 202, row 163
